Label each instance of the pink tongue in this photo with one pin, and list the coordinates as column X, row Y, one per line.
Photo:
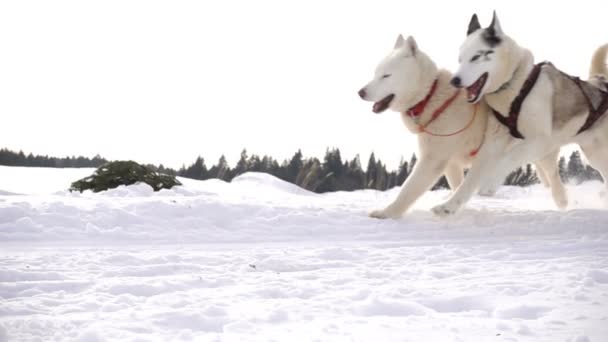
column 472, row 90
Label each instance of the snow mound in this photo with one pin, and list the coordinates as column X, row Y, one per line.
column 134, row 190
column 193, row 187
column 257, row 181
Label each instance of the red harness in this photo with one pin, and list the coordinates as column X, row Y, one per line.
column 417, row 110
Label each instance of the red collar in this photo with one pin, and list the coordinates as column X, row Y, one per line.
column 417, row 109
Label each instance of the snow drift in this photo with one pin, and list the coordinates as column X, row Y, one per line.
column 259, row 259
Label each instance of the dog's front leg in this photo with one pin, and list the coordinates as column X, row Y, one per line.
column 481, row 170
column 425, row 174
column 548, row 167
column 542, row 176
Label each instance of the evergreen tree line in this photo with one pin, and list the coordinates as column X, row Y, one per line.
column 10, row 158
column 335, row 174
column 330, row 174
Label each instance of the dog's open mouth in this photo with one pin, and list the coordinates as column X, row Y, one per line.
column 383, row 104
column 474, row 90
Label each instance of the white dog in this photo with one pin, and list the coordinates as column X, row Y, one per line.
column 536, row 108
column 450, row 130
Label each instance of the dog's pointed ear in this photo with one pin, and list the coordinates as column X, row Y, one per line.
column 411, row 45
column 473, row 24
column 494, row 27
column 492, row 35
column 400, row 42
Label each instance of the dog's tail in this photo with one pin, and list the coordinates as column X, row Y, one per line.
column 598, row 62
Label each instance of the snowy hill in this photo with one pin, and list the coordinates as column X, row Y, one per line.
column 259, row 259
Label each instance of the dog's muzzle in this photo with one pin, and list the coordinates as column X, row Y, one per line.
column 456, row 82
column 362, row 93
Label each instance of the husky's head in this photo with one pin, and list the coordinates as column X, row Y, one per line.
column 397, row 76
column 483, row 57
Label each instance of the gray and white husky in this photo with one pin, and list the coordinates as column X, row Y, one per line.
column 449, row 129
column 535, row 108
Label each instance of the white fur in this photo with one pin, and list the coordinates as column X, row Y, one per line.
column 510, row 64
column 411, row 74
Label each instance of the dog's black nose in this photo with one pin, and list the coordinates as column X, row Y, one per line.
column 362, row 93
column 456, row 82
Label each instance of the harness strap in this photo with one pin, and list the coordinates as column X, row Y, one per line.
column 439, row 111
column 474, row 152
column 418, row 108
column 510, row 121
column 422, row 128
column 594, row 113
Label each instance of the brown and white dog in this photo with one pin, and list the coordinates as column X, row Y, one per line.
column 535, row 109
column 450, row 130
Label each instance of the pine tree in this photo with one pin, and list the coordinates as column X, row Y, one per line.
column 514, row 177
column 221, row 170
column 30, row 160
column 403, row 172
column 381, row 181
column 331, row 170
column 442, row 183
column 530, row 177
column 370, row 174
column 254, row 164
column 267, row 164
column 391, row 181
column 293, row 167
column 522, row 177
column 311, row 176
column 21, row 158
column 98, row 161
column 353, row 177
column 242, row 164
column 592, row 174
column 576, row 169
column 198, row 170
column 333, row 162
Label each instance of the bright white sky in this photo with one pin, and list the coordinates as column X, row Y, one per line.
column 165, row 81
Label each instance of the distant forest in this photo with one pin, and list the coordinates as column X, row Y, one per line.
column 330, row 174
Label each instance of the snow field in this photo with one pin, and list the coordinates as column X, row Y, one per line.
column 262, row 260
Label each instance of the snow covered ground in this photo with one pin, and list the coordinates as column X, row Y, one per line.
column 262, row 260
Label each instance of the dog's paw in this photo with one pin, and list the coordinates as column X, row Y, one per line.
column 384, row 214
column 561, row 202
column 443, row 210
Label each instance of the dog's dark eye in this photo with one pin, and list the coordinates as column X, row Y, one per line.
column 474, row 58
column 386, row 76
